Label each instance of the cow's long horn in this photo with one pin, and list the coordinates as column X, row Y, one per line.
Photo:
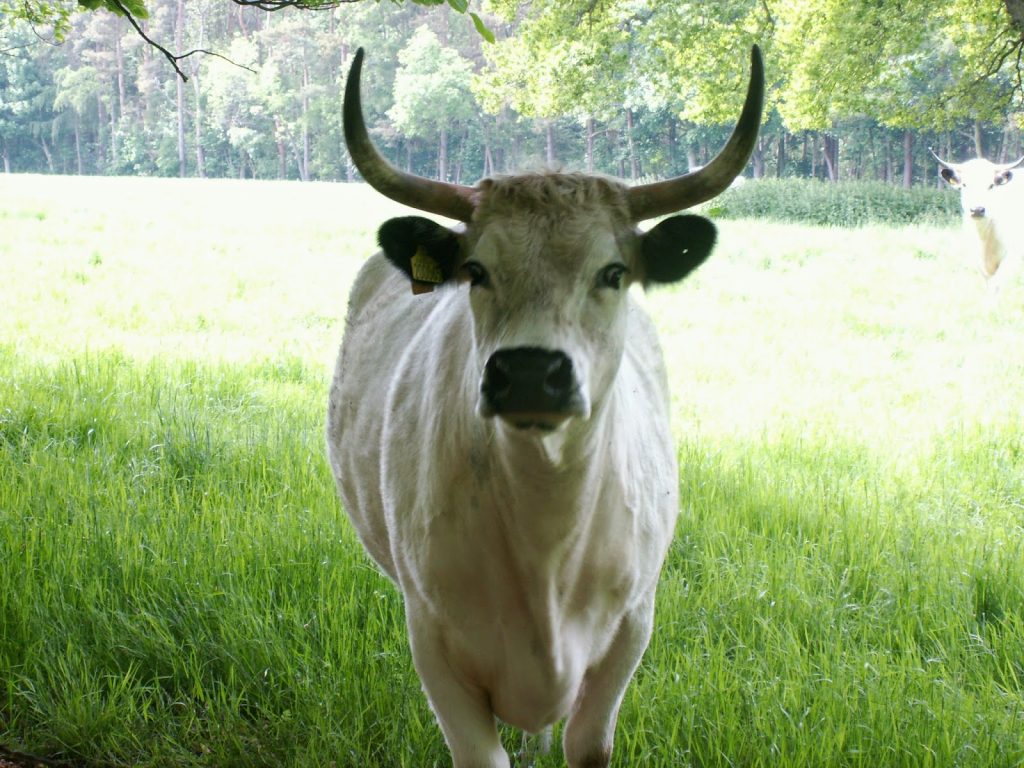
column 942, row 162
column 452, row 200
column 1011, row 166
column 649, row 200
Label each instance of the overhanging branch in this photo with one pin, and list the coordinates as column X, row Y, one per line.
column 172, row 57
column 277, row 5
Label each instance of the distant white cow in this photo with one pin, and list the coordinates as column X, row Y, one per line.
column 993, row 211
column 502, row 444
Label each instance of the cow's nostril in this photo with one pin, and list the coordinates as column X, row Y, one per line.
column 498, row 379
column 559, row 377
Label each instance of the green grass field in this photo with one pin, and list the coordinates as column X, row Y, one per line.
column 179, row 586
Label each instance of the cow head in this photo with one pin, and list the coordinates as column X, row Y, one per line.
column 547, row 259
column 979, row 182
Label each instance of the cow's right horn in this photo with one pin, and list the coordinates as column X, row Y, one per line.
column 452, row 200
column 942, row 162
column 649, row 200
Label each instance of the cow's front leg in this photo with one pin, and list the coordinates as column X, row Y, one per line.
column 591, row 727
column 462, row 709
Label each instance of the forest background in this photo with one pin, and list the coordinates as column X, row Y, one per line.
column 857, row 90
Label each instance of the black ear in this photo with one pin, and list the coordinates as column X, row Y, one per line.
column 676, row 247
column 438, row 248
column 949, row 175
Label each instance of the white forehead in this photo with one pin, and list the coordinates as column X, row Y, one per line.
column 550, row 222
column 515, row 242
column 976, row 172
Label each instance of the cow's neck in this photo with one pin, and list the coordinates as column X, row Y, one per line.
column 548, row 485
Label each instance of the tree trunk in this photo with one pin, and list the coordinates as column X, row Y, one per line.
column 459, row 155
column 113, row 137
column 78, row 144
column 758, row 158
column 672, row 144
column 634, row 162
column 304, row 169
column 890, row 162
column 46, row 151
column 179, row 42
column 442, row 156
column 908, row 159
column 200, row 157
column 979, row 145
column 589, row 160
column 119, row 61
column 831, row 156
column 780, row 158
column 1015, row 9
column 488, row 161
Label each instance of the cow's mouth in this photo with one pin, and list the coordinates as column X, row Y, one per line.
column 542, row 422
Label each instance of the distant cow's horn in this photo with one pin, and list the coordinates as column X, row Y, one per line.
column 943, row 163
column 438, row 197
column 1011, row 166
column 649, row 200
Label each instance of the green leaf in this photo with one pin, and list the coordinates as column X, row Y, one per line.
column 485, row 33
column 459, row 5
column 135, row 7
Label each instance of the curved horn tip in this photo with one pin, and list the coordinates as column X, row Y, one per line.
column 941, row 162
column 756, row 58
column 452, row 200
column 661, row 197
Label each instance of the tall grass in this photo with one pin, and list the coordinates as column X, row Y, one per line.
column 179, row 587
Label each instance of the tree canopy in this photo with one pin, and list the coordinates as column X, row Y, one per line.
column 626, row 86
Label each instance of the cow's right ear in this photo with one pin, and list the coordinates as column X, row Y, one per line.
column 950, row 175
column 425, row 251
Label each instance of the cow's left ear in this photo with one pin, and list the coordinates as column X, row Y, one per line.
column 950, row 176
column 424, row 250
column 675, row 247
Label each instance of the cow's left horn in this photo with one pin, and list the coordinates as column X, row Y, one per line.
column 452, row 200
column 649, row 200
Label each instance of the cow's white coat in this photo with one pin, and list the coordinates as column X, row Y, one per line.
column 528, row 561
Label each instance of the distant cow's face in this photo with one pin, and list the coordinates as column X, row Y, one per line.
column 981, row 185
column 546, row 264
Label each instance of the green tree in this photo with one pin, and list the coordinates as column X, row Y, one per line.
column 431, row 93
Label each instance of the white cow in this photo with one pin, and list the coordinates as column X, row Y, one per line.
column 502, row 444
column 993, row 211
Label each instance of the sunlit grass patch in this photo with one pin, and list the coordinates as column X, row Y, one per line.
column 179, row 586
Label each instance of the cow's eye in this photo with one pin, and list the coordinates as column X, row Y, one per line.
column 611, row 276
column 476, row 273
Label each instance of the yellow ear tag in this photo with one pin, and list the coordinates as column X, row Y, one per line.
column 426, row 273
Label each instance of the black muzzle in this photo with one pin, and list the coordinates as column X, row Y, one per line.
column 529, row 385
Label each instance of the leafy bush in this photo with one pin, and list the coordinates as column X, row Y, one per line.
column 846, row 204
